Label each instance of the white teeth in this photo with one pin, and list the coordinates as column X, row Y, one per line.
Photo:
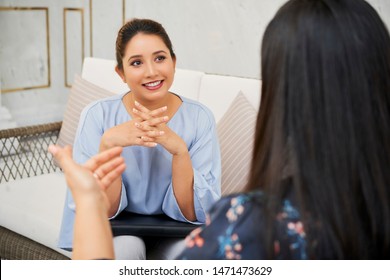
column 153, row 84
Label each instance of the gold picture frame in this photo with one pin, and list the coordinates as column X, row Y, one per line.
column 81, row 11
column 47, row 37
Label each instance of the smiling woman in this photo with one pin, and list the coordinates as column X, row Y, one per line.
column 169, row 143
column 148, row 69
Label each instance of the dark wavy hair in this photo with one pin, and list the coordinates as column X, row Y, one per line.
column 134, row 27
column 325, row 117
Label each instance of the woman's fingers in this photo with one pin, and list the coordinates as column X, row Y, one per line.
column 148, row 139
column 141, row 107
column 155, row 133
column 153, row 120
column 157, row 121
column 94, row 162
column 109, row 171
column 145, row 113
column 141, row 142
column 141, row 115
column 111, row 176
column 151, row 123
column 158, row 111
column 62, row 155
column 155, row 112
column 106, row 168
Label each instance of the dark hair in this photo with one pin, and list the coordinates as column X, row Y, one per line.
column 135, row 26
column 325, row 116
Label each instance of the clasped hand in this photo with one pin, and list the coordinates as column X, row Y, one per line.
column 148, row 128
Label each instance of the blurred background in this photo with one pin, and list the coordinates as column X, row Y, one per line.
column 43, row 44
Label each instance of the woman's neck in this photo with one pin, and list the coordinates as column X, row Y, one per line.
column 169, row 100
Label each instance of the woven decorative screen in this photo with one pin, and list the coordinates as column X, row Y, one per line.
column 24, row 151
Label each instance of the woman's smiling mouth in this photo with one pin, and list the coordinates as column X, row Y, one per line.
column 153, row 85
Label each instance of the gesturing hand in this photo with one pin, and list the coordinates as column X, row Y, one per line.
column 89, row 181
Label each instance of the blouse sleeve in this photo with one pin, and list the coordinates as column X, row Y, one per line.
column 87, row 142
column 206, row 163
column 232, row 231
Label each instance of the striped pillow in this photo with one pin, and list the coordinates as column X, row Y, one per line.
column 236, row 131
column 81, row 94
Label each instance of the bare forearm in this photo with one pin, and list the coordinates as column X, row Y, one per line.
column 114, row 190
column 92, row 231
column 182, row 181
column 114, row 196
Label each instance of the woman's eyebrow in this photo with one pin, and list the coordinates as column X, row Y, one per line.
column 160, row 51
column 138, row 55
column 134, row 56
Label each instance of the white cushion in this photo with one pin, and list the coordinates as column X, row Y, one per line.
column 217, row 92
column 101, row 72
column 187, row 83
column 236, row 131
column 33, row 208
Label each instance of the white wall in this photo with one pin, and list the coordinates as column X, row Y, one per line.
column 215, row 36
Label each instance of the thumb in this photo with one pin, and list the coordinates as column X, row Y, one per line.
column 62, row 155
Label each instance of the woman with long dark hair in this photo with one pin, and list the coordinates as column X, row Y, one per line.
column 319, row 185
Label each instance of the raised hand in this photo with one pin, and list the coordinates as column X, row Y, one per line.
column 92, row 230
column 89, row 181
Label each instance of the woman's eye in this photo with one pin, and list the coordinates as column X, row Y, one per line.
column 160, row 58
column 135, row 63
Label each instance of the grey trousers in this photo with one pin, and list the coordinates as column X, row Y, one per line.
column 128, row 247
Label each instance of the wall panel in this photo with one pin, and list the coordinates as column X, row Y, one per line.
column 21, row 67
column 73, row 43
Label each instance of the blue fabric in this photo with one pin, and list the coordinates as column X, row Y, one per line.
column 235, row 227
column 147, row 180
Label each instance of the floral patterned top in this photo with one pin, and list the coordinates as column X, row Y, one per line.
column 234, row 228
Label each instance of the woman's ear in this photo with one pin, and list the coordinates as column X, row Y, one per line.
column 174, row 62
column 120, row 73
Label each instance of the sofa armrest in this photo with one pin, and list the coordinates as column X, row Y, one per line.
column 14, row 246
column 24, row 151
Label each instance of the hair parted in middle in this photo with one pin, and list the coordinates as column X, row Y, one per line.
column 134, row 27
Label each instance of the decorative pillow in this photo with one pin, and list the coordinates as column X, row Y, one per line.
column 81, row 94
column 236, row 131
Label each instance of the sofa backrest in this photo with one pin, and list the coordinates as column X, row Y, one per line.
column 101, row 72
column 187, row 83
column 217, row 92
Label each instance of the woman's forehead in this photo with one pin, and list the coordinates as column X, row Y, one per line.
column 142, row 44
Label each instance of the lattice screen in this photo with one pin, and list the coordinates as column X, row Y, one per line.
column 24, row 151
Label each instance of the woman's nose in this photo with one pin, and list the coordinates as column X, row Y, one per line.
column 151, row 70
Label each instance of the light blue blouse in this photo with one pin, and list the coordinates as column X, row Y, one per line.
column 147, row 180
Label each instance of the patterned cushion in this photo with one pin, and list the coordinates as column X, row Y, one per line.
column 81, row 94
column 236, row 131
